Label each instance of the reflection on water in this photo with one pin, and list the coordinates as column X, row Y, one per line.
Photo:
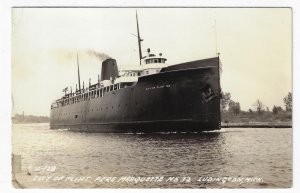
column 235, row 152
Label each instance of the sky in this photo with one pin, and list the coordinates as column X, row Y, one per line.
column 255, row 46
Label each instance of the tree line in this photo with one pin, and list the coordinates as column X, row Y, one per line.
column 21, row 118
column 228, row 105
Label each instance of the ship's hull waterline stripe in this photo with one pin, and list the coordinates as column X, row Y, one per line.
column 131, row 122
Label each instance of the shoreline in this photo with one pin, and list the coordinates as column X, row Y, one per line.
column 228, row 125
column 28, row 122
column 258, row 125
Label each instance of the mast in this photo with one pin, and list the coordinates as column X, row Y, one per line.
column 216, row 38
column 139, row 38
column 78, row 74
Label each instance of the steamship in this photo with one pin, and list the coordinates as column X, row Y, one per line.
column 149, row 97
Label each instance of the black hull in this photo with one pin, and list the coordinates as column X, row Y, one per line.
column 182, row 98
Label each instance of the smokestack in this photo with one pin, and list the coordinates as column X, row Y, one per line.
column 109, row 69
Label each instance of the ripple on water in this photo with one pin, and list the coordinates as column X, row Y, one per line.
column 238, row 152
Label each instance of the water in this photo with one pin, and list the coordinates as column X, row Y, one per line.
column 263, row 154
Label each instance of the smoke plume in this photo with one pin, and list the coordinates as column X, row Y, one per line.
column 98, row 55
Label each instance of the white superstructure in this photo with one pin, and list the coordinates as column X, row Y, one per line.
column 151, row 64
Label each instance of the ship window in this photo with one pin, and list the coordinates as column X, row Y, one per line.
column 139, row 74
column 111, row 87
column 155, row 61
column 115, row 86
column 147, row 72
